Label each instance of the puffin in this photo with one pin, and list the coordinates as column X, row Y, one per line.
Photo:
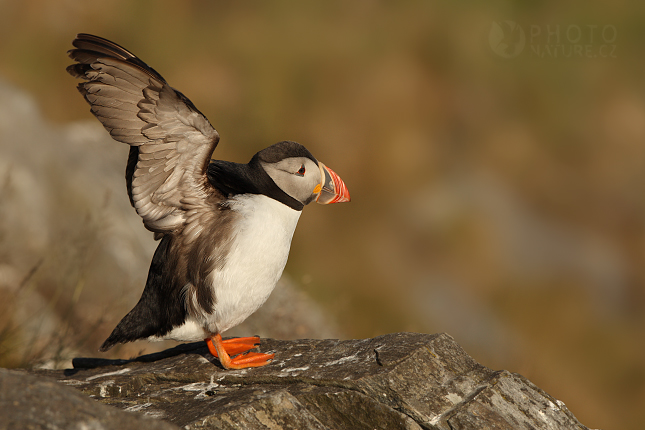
column 224, row 228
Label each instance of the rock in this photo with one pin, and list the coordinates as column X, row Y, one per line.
column 30, row 402
column 396, row 381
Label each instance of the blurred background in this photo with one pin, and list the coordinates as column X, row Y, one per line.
column 494, row 153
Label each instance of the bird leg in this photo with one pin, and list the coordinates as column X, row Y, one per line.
column 223, row 349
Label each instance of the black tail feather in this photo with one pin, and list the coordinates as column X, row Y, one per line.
column 160, row 307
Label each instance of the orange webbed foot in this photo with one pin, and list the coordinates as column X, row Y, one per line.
column 250, row 359
column 224, row 349
column 234, row 346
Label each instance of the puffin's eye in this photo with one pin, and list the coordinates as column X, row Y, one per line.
column 301, row 171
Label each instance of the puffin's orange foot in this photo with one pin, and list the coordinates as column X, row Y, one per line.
column 250, row 359
column 235, row 345
column 223, row 349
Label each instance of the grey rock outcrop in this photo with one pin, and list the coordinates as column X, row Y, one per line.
column 396, row 381
column 30, row 402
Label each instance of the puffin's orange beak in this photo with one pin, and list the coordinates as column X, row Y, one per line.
column 332, row 189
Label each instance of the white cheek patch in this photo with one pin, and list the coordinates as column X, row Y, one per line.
column 284, row 174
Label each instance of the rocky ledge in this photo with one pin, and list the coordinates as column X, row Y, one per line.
column 396, row 381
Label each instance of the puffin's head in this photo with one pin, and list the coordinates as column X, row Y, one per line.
column 300, row 175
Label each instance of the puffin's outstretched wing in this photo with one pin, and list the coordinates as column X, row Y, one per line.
column 171, row 142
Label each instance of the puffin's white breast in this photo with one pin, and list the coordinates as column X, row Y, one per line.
column 254, row 264
column 259, row 250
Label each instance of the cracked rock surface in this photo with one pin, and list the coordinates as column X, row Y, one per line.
column 395, row 381
column 31, row 402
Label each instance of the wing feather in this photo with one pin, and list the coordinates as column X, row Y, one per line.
column 171, row 140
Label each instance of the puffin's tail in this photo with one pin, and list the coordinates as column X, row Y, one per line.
column 137, row 324
column 158, row 309
column 109, row 343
